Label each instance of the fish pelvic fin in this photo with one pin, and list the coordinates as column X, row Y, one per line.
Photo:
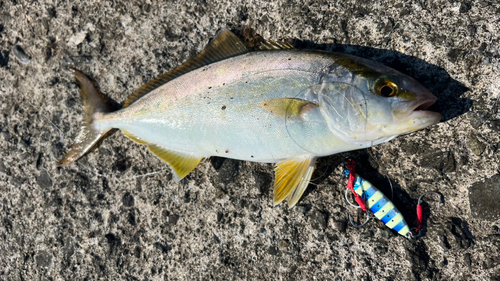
column 95, row 105
column 181, row 163
column 292, row 177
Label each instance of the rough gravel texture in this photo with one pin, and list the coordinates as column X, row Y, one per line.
column 117, row 214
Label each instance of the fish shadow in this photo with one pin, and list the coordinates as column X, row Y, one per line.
column 434, row 78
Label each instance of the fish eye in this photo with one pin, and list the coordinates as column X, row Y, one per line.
column 385, row 88
column 386, row 91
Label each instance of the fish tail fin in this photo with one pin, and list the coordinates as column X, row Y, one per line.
column 95, row 105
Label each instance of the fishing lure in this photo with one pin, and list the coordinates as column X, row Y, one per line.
column 370, row 199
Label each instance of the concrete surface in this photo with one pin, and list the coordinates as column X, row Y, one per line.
column 117, row 214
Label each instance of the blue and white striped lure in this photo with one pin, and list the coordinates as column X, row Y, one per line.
column 380, row 206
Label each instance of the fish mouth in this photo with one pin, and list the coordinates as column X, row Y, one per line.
column 426, row 118
column 424, row 102
column 423, row 105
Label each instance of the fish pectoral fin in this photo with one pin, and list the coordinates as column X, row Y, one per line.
column 292, row 178
column 181, row 163
column 287, row 107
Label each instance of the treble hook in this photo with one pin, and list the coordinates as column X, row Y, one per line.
column 417, row 231
column 368, row 218
column 347, row 199
column 358, row 207
column 440, row 197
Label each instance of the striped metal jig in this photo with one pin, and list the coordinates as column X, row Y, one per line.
column 381, row 207
column 370, row 199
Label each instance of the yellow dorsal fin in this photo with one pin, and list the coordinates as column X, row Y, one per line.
column 286, row 107
column 224, row 46
column 291, row 179
column 181, row 163
column 274, row 45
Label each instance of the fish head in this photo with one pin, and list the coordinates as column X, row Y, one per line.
column 367, row 103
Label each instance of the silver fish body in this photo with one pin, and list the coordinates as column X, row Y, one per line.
column 215, row 110
column 276, row 106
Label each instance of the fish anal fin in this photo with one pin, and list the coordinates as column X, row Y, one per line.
column 287, row 107
column 181, row 163
column 224, row 46
column 292, row 177
column 134, row 137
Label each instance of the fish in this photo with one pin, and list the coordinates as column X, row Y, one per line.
column 270, row 104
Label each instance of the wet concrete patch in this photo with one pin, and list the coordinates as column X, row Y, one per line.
column 484, row 199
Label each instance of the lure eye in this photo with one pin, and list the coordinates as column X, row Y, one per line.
column 385, row 88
